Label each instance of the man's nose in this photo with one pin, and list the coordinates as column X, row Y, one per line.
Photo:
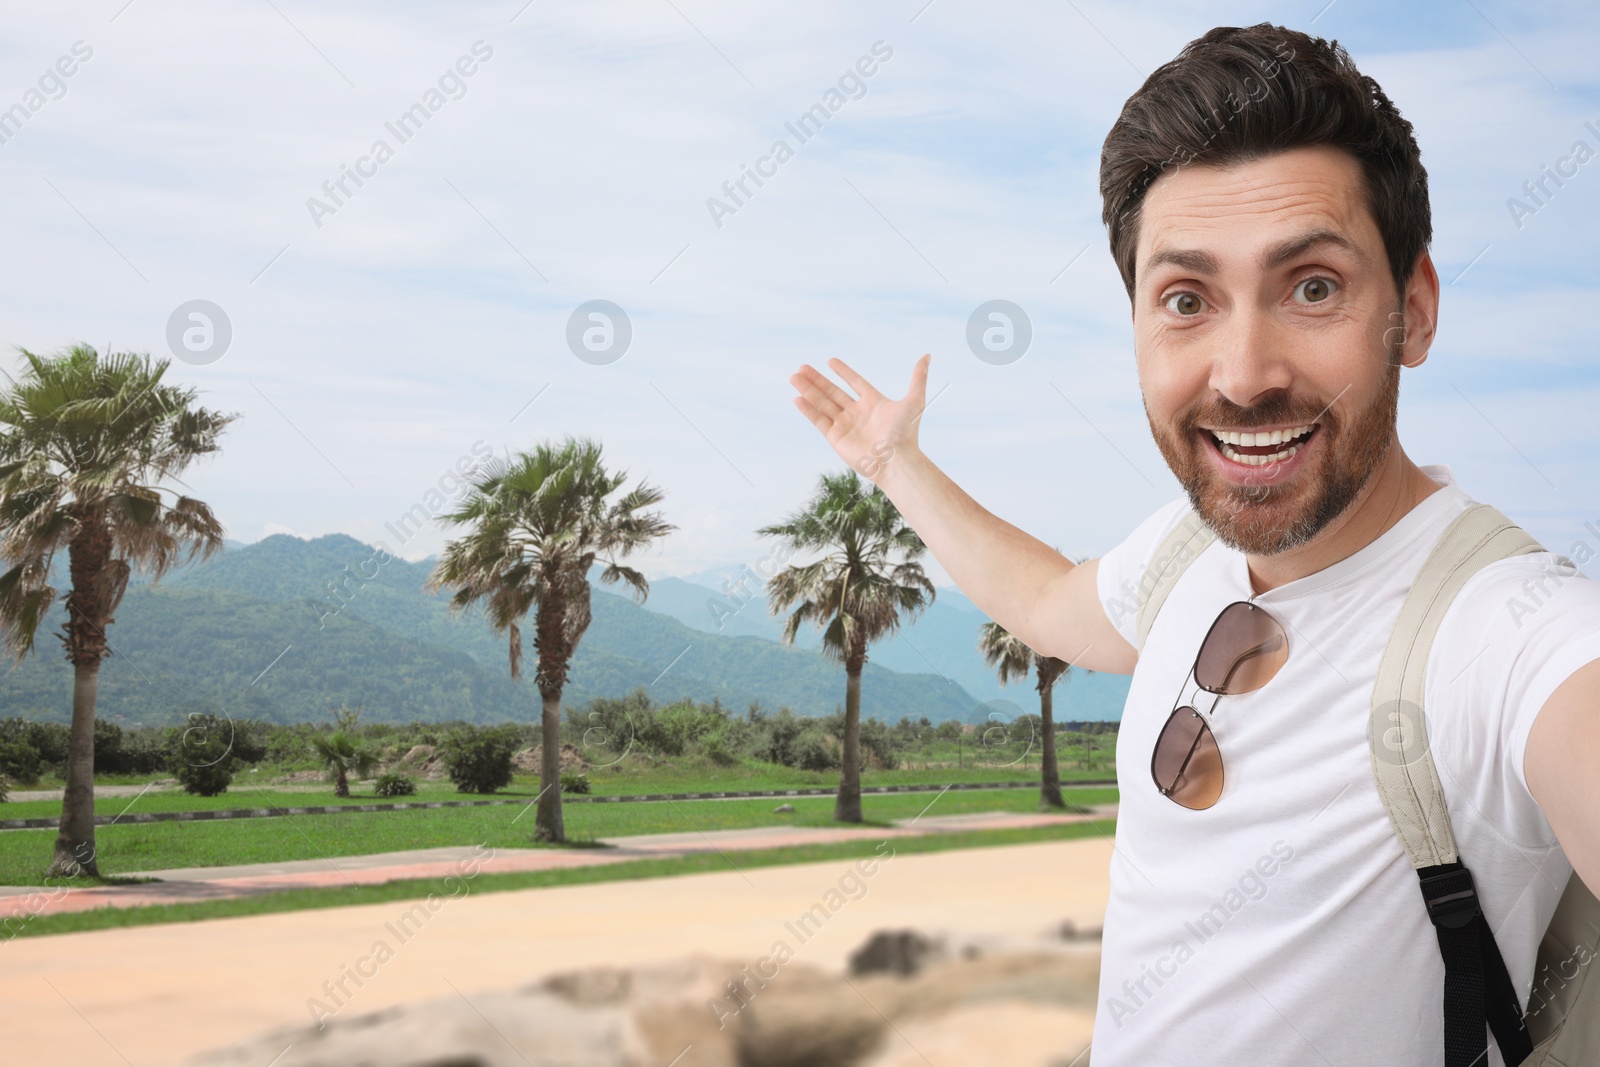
column 1252, row 358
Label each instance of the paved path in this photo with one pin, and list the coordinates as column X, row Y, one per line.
column 153, row 996
column 18, row 904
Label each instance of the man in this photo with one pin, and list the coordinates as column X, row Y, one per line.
column 1268, row 212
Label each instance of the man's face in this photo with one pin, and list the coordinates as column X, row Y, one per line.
column 1261, row 305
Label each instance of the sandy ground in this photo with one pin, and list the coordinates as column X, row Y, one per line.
column 155, row 995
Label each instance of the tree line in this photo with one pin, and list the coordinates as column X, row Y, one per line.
column 91, row 445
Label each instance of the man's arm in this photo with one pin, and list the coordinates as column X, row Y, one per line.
column 1562, row 765
column 1036, row 593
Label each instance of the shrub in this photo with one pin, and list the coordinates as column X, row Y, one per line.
column 19, row 761
column 670, row 731
column 574, row 783
column 479, row 760
column 144, row 751
column 49, row 739
column 783, row 733
column 718, row 751
column 200, row 755
column 289, row 745
column 816, row 751
column 608, row 727
column 394, row 784
column 877, row 745
column 107, row 747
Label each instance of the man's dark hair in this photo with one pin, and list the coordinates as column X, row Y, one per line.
column 1239, row 94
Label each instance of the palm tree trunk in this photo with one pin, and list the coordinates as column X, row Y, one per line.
column 88, row 614
column 341, row 786
column 1050, row 775
column 75, row 852
column 548, row 824
column 847, row 807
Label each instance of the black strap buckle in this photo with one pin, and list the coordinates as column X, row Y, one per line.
column 1451, row 897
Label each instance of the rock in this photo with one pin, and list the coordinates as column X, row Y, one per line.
column 1028, row 1002
column 895, row 952
column 783, row 809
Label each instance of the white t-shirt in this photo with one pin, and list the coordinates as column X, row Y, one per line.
column 1285, row 924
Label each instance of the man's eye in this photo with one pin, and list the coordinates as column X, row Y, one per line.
column 1185, row 304
column 1314, row 290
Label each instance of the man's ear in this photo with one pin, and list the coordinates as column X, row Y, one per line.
column 1420, row 312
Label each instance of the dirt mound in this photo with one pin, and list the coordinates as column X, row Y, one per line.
column 527, row 761
column 424, row 760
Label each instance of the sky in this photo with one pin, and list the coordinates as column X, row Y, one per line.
column 377, row 335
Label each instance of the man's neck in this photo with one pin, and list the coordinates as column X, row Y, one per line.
column 1398, row 486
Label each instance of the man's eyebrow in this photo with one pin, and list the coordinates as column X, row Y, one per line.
column 1291, row 249
column 1199, row 261
column 1189, row 259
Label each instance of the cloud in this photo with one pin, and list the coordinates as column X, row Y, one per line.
column 427, row 313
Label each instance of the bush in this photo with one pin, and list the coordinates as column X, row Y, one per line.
column 816, row 751
column 107, row 747
column 607, row 727
column 19, row 761
column 718, row 749
column 288, row 746
column 783, row 734
column 49, row 739
column 670, row 731
column 200, row 755
column 479, row 760
column 574, row 783
column 877, row 745
column 394, row 784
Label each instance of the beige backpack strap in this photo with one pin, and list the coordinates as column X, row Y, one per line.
column 1407, row 780
column 1183, row 543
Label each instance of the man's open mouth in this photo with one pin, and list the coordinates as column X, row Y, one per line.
column 1259, row 449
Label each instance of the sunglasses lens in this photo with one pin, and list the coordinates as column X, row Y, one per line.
column 1242, row 652
column 1186, row 764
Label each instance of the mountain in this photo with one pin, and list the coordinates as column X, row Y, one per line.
column 287, row 629
column 943, row 640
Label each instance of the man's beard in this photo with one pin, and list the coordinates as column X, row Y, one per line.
column 1266, row 520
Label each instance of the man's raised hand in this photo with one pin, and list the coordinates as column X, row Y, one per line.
column 865, row 432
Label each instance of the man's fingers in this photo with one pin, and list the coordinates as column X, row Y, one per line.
column 862, row 387
column 817, row 419
column 919, row 378
column 823, row 395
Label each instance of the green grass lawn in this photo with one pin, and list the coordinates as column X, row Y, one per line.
column 631, row 776
column 345, row 896
column 127, row 848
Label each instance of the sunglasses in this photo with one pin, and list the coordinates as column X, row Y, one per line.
column 1242, row 652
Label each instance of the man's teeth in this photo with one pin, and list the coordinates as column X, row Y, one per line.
column 1226, row 438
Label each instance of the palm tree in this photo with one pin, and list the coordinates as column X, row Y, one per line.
column 857, row 591
column 1012, row 660
column 539, row 522
column 86, row 443
column 342, row 756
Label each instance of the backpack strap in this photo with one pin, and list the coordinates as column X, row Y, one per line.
column 1477, row 986
column 1183, row 543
